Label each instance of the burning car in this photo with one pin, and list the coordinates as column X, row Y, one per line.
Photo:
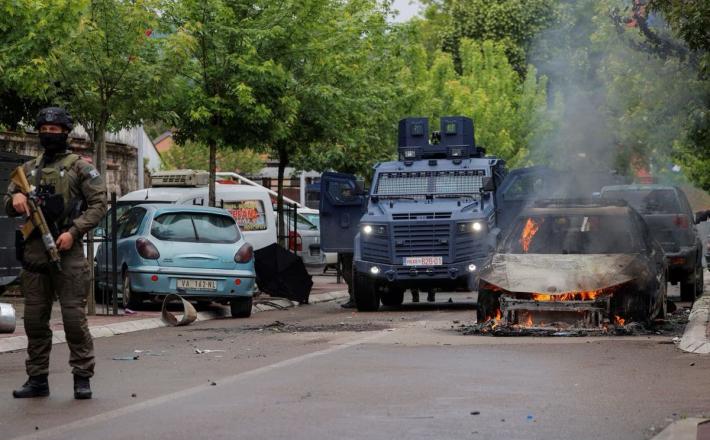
column 584, row 263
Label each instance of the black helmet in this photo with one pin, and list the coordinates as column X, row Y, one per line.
column 54, row 115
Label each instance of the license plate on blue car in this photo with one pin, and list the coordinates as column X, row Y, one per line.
column 197, row 284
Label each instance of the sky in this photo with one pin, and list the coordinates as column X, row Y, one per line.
column 407, row 9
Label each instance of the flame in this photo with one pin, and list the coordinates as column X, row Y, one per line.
column 619, row 321
column 496, row 320
column 584, row 295
column 529, row 231
column 528, row 320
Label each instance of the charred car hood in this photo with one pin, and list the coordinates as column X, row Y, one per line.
column 559, row 273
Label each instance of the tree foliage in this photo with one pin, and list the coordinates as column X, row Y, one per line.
column 27, row 35
column 108, row 68
column 512, row 23
column 195, row 155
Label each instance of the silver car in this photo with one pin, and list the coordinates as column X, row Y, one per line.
column 305, row 240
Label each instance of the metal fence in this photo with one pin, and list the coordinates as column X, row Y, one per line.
column 101, row 252
column 288, row 236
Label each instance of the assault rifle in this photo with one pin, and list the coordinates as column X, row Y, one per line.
column 36, row 217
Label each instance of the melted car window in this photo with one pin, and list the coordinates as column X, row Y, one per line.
column 649, row 201
column 195, row 227
column 572, row 234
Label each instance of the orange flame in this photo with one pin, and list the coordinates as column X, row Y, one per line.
column 584, row 295
column 529, row 231
column 528, row 320
column 619, row 321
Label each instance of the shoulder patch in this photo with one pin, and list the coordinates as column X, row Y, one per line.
column 90, row 172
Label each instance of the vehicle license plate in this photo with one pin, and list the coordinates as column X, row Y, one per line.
column 197, row 284
column 423, row 261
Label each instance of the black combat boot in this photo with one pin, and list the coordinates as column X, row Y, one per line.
column 36, row 386
column 431, row 296
column 82, row 387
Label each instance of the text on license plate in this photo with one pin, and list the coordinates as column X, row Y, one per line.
column 197, row 284
column 423, row 261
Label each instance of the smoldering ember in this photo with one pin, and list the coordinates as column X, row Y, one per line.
column 374, row 219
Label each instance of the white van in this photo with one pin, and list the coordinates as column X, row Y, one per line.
column 249, row 205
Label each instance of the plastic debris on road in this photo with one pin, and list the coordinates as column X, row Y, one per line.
column 189, row 313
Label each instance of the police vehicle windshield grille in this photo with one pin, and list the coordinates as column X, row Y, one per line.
column 413, row 183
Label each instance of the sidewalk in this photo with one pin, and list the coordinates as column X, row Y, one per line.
column 324, row 289
column 696, row 338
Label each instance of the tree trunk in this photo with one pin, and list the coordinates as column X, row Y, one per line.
column 99, row 141
column 213, row 172
column 283, row 162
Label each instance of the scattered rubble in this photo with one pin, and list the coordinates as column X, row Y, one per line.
column 672, row 326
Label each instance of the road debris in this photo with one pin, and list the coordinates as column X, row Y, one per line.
column 199, row 351
column 133, row 357
column 671, row 326
column 189, row 313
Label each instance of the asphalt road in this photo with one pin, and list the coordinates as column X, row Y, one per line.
column 319, row 372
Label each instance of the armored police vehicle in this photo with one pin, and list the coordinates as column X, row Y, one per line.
column 428, row 221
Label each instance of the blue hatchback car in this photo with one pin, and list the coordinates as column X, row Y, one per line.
column 194, row 251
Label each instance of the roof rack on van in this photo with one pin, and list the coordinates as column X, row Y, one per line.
column 180, row 178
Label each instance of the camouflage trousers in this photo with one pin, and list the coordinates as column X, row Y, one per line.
column 71, row 288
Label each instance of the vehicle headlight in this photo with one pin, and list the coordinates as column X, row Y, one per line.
column 374, row 229
column 471, row 227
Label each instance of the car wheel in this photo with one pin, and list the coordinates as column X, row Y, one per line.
column 241, row 307
column 131, row 299
column 488, row 305
column 700, row 281
column 689, row 287
column 631, row 307
column 367, row 298
column 394, row 296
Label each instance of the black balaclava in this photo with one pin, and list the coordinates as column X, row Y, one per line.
column 54, row 143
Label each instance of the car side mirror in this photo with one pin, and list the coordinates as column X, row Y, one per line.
column 488, row 185
column 702, row 216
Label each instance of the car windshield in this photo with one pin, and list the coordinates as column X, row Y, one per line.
column 648, row 201
column 572, row 234
column 195, row 227
column 421, row 183
column 313, row 218
column 301, row 222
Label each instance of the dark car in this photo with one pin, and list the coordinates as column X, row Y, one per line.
column 671, row 221
column 585, row 262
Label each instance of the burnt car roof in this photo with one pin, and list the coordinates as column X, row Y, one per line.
column 577, row 206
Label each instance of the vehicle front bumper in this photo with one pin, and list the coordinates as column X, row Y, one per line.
column 142, row 281
column 445, row 275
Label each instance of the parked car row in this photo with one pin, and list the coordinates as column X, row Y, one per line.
column 168, row 241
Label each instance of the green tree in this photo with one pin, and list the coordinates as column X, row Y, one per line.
column 29, row 29
column 513, row 23
column 108, row 68
column 218, row 96
column 195, row 155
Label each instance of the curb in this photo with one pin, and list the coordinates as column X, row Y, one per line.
column 119, row 328
column 685, row 429
column 695, row 338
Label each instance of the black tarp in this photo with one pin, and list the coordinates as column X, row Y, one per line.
column 281, row 273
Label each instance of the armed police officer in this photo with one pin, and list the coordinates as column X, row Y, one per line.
column 72, row 196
